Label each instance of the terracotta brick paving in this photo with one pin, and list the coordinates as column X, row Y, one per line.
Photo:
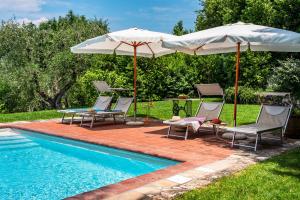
column 197, row 150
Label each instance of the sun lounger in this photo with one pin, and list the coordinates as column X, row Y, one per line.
column 102, row 103
column 206, row 111
column 121, row 109
column 102, row 86
column 270, row 119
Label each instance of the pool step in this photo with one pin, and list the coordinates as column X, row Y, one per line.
column 18, row 146
column 9, row 140
column 14, row 141
column 7, row 132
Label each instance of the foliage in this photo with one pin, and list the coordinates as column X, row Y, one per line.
column 286, row 77
column 276, row 13
column 179, row 29
column 37, row 62
column 246, row 95
column 276, row 178
column 39, row 71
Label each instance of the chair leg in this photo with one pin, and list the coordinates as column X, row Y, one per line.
column 215, row 129
column 256, row 141
column 281, row 137
column 92, row 122
column 186, row 133
column 63, row 118
column 114, row 119
column 169, row 131
column 233, row 139
column 82, row 118
column 71, row 122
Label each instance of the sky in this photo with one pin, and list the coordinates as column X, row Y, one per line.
column 156, row 15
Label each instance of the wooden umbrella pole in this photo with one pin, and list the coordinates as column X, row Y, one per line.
column 236, row 86
column 134, row 84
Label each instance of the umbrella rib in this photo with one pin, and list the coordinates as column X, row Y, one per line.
column 150, row 49
column 136, row 45
column 196, row 49
column 127, row 43
column 118, row 46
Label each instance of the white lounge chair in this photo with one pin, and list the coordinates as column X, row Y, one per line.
column 270, row 119
column 102, row 103
column 121, row 108
column 206, row 110
column 102, row 86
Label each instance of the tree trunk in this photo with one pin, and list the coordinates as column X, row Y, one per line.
column 53, row 102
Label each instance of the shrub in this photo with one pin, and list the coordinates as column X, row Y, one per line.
column 286, row 77
column 246, row 95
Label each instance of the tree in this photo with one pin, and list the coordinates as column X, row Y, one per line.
column 179, row 29
column 286, row 77
column 39, row 57
column 276, row 13
column 214, row 13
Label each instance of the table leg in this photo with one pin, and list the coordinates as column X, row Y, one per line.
column 188, row 108
column 176, row 108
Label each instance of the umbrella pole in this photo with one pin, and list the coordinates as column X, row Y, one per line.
column 236, row 86
column 134, row 84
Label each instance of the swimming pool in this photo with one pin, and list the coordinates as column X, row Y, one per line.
column 39, row 166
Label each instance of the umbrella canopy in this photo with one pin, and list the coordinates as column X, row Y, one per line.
column 223, row 39
column 236, row 38
column 148, row 43
column 134, row 42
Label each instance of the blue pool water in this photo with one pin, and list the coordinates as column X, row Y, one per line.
column 38, row 166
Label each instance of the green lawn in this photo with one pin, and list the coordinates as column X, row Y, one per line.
column 29, row 116
column 276, row 178
column 163, row 110
column 160, row 110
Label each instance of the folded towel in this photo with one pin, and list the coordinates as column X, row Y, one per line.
column 191, row 119
column 194, row 122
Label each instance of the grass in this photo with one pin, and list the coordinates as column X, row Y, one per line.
column 29, row 116
column 276, row 178
column 163, row 110
column 160, row 110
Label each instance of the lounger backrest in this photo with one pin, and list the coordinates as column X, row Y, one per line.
column 102, row 86
column 213, row 89
column 275, row 116
column 102, row 102
column 210, row 110
column 123, row 104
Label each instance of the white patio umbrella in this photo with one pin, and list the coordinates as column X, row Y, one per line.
column 236, row 38
column 134, row 42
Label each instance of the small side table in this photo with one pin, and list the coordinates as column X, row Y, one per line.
column 216, row 128
column 187, row 107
